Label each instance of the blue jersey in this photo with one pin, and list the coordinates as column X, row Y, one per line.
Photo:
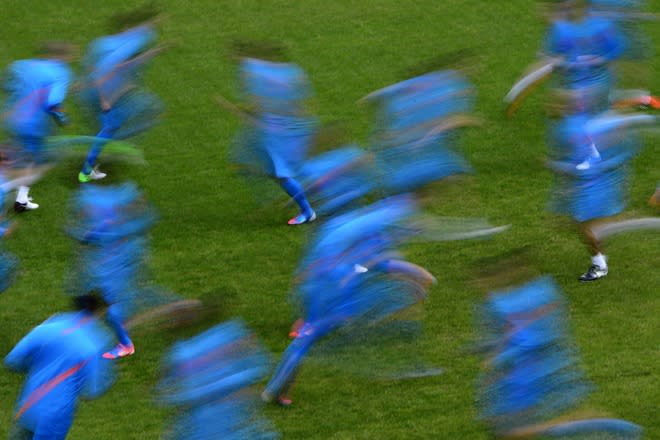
column 580, row 43
column 277, row 93
column 62, row 358
column 331, row 278
column 34, row 87
column 336, row 179
column 591, row 156
column 110, row 66
column 208, row 378
column 411, row 150
column 275, row 88
column 531, row 373
column 112, row 227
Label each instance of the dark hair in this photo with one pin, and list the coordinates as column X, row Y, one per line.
column 56, row 49
column 92, row 302
column 505, row 269
column 264, row 50
column 456, row 60
column 134, row 17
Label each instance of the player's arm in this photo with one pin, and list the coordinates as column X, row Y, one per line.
column 562, row 167
column 614, row 42
column 19, row 358
column 133, row 41
column 56, row 95
column 421, row 275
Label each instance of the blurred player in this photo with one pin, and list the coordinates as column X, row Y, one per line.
column 111, row 227
column 347, row 276
column 577, row 54
column 585, row 45
column 530, row 371
column 36, row 90
column 417, row 126
column 8, row 262
column 210, row 380
column 62, row 359
column 279, row 126
column 112, row 88
column 590, row 156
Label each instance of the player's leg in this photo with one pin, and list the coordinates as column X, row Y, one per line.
column 32, row 151
column 109, row 125
column 598, row 268
column 281, row 383
column 296, row 192
column 115, row 319
column 88, row 172
column 285, row 373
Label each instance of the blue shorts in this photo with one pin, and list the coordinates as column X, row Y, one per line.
column 27, row 151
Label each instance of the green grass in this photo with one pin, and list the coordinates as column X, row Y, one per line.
column 215, row 240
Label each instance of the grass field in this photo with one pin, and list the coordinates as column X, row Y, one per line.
column 215, row 240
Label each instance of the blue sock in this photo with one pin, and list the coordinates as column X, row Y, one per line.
column 113, row 319
column 95, row 150
column 296, row 192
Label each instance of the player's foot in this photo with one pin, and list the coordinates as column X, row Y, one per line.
column 295, row 328
column 27, row 206
column 284, row 401
column 95, row 174
column 120, row 351
column 281, row 400
column 302, row 218
column 595, row 272
column 654, row 102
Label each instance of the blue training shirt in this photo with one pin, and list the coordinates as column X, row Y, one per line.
column 34, row 86
column 62, row 358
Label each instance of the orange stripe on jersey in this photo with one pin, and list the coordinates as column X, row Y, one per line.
column 46, row 388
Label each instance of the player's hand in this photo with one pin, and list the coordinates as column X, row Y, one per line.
column 59, row 116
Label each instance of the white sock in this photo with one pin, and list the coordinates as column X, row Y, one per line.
column 22, row 194
column 599, row 260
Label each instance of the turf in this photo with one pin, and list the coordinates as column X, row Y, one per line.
column 215, row 241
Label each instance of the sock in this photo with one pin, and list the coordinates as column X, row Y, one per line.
column 599, row 260
column 22, row 194
column 96, row 148
column 115, row 322
column 296, row 192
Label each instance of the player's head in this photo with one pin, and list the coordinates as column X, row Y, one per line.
column 572, row 9
column 457, row 60
column 135, row 17
column 92, row 302
column 508, row 269
column 262, row 50
column 58, row 50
